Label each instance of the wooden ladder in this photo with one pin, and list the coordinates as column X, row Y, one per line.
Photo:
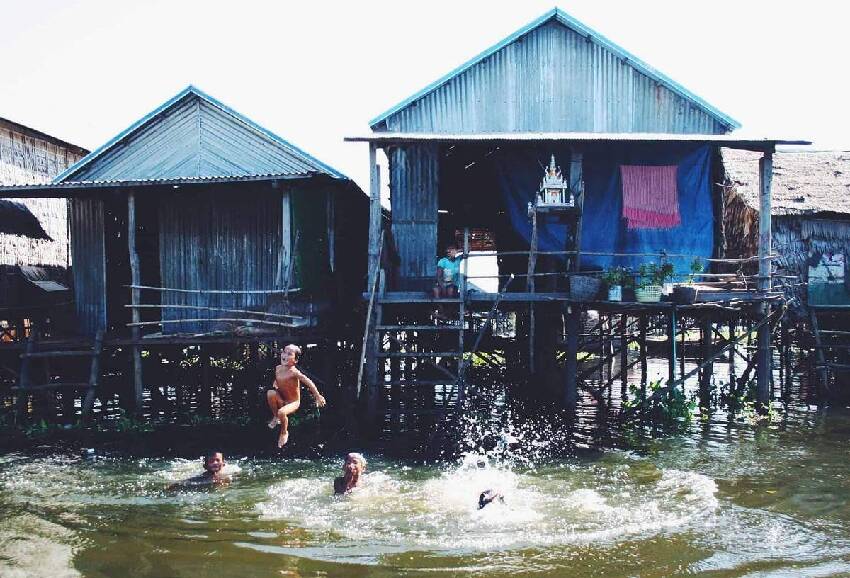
column 32, row 353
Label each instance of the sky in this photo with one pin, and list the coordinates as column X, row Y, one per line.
column 316, row 72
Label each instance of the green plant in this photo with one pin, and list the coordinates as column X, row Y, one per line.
column 614, row 276
column 654, row 273
column 697, row 267
column 672, row 409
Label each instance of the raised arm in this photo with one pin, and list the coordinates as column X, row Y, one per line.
column 304, row 380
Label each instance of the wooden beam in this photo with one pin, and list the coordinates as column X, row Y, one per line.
column 764, row 356
column 375, row 224
column 135, row 279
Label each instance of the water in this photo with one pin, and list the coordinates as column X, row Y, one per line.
column 729, row 497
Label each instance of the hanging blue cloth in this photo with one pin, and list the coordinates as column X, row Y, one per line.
column 604, row 230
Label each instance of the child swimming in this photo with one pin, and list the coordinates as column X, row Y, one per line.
column 213, row 473
column 352, row 470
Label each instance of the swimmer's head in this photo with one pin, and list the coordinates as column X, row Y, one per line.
column 213, row 461
column 355, row 464
column 290, row 355
column 488, row 497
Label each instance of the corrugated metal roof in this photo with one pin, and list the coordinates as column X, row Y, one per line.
column 193, row 135
column 62, row 189
column 730, row 140
column 611, row 58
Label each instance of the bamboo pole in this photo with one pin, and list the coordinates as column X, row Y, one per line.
column 135, row 286
column 201, row 308
column 215, row 320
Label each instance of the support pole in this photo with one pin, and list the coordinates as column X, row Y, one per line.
column 764, row 357
column 374, row 211
column 708, row 369
column 135, row 279
column 573, row 324
column 671, row 337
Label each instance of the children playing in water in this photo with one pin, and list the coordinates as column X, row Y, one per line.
column 213, row 473
column 352, row 470
column 285, row 396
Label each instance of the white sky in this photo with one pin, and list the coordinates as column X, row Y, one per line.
column 319, row 71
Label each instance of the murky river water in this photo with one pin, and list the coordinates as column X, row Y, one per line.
column 726, row 498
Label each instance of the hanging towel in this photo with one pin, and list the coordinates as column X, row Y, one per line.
column 650, row 197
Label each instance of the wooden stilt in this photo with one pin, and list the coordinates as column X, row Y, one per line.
column 624, row 354
column 763, row 393
column 708, row 367
column 644, row 370
column 573, row 326
column 135, row 279
column 671, row 339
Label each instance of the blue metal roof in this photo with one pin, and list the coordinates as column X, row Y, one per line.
column 573, row 24
column 295, row 159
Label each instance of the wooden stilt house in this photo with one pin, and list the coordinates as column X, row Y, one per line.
column 196, row 224
column 638, row 154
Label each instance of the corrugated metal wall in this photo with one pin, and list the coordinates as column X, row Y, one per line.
column 414, row 178
column 553, row 79
column 219, row 241
column 194, row 139
column 88, row 255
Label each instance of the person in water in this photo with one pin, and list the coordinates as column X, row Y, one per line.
column 285, row 396
column 213, row 472
column 488, row 497
column 352, row 471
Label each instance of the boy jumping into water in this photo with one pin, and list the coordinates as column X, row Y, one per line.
column 285, row 397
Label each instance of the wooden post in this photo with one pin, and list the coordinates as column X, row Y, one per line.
column 624, row 353
column 671, row 337
column 644, row 369
column 573, row 324
column 461, row 362
column 530, row 286
column 764, row 355
column 732, row 353
column 375, row 224
column 708, row 369
column 577, row 186
column 135, row 279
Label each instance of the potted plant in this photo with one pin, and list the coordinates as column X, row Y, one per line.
column 614, row 279
column 651, row 278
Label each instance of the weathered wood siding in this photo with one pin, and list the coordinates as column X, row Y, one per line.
column 221, row 241
column 414, row 178
column 28, row 158
column 88, row 251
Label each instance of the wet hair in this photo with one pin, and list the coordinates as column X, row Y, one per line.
column 296, row 349
column 488, row 497
column 210, row 454
column 358, row 457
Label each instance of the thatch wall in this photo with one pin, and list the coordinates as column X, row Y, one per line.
column 29, row 157
column 811, row 215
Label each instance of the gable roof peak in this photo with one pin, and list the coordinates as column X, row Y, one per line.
column 578, row 27
column 193, row 91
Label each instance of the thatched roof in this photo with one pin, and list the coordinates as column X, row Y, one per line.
column 804, row 183
column 17, row 219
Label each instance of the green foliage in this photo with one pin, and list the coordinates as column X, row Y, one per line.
column 654, row 273
column 621, row 276
column 672, row 409
column 697, row 266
